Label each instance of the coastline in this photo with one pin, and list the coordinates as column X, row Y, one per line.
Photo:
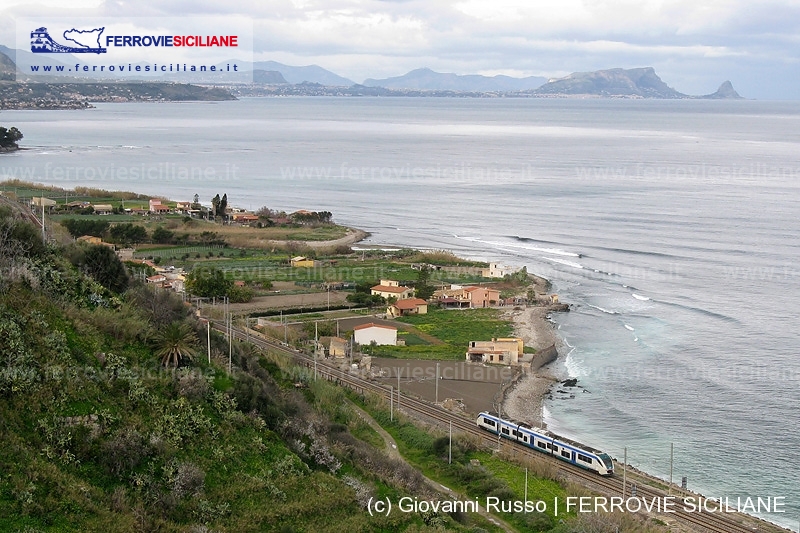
column 525, row 400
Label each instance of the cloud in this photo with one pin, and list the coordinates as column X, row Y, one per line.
column 699, row 43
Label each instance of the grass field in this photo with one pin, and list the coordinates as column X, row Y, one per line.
column 455, row 327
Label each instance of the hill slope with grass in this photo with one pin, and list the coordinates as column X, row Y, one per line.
column 100, row 430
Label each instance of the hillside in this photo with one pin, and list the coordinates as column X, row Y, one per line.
column 79, row 95
column 309, row 73
column 268, row 77
column 96, row 434
column 8, row 70
column 427, row 79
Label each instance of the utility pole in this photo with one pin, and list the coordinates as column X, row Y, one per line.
column 208, row 339
column 399, row 370
column 671, row 457
column 391, row 403
column 437, row 383
column 230, row 337
column 624, row 471
column 450, row 450
column 316, row 348
column 526, row 484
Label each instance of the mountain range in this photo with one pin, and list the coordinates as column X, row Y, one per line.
column 427, row 79
column 309, row 73
column 612, row 83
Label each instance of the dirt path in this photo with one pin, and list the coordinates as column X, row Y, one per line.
column 394, row 453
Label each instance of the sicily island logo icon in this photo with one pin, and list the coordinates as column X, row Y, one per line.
column 83, row 42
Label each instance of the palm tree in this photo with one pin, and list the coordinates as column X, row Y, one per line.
column 175, row 342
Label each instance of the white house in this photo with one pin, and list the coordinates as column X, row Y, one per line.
column 497, row 270
column 366, row 334
column 505, row 351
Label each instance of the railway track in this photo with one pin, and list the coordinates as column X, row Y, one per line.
column 714, row 522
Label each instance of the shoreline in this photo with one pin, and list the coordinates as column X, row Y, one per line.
column 524, row 401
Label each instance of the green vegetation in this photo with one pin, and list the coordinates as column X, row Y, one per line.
column 208, row 282
column 456, row 328
column 97, row 434
column 9, row 137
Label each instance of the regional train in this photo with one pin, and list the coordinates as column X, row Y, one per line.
column 546, row 442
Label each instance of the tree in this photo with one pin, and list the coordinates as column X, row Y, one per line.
column 240, row 295
column 422, row 288
column 531, row 296
column 223, row 205
column 78, row 227
column 161, row 235
column 215, row 205
column 366, row 299
column 208, row 282
column 128, row 233
column 160, row 307
column 175, row 343
column 264, row 213
column 102, row 264
column 9, row 137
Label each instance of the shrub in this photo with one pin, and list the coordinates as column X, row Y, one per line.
column 124, row 451
column 191, row 385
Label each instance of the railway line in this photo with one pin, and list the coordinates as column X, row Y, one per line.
column 713, row 522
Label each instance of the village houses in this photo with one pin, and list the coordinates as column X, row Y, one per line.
column 470, row 297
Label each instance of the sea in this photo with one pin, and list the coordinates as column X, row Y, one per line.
column 671, row 227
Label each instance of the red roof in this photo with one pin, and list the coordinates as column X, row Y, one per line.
column 410, row 303
column 388, row 288
column 372, row 325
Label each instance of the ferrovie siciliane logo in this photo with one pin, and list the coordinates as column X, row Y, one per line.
column 83, row 42
column 91, row 41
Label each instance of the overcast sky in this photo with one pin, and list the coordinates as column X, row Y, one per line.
column 694, row 45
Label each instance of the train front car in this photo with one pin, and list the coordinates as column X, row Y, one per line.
column 607, row 463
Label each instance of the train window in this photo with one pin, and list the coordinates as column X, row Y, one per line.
column 565, row 453
column 525, row 438
column 505, row 431
column 541, row 444
column 585, row 458
column 488, row 422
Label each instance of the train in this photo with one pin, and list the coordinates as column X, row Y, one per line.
column 546, row 442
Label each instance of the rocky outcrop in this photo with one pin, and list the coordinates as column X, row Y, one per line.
column 615, row 82
column 725, row 92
